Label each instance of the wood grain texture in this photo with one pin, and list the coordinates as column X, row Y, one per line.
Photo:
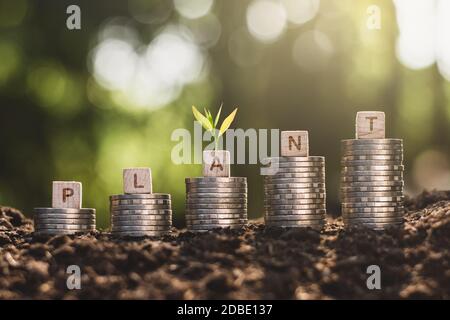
column 294, row 143
column 370, row 125
column 66, row 194
column 216, row 163
column 137, row 180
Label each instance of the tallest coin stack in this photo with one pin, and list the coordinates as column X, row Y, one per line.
column 372, row 175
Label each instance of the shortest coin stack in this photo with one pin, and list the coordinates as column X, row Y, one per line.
column 56, row 221
column 216, row 202
column 138, row 215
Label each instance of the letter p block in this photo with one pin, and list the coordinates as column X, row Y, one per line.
column 66, row 194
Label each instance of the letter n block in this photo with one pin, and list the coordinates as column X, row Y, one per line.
column 370, row 125
column 137, row 180
column 294, row 144
column 66, row 194
column 216, row 163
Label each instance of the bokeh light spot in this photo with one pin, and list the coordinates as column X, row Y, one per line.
column 301, row 11
column 193, row 9
column 266, row 20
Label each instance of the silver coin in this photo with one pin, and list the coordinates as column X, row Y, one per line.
column 373, row 194
column 349, row 216
column 293, row 185
column 297, row 207
column 64, row 210
column 374, row 220
column 275, row 202
column 41, row 226
column 207, row 227
column 140, row 233
column 57, row 232
column 370, row 163
column 217, row 190
column 121, row 228
column 216, row 185
column 216, row 221
column 64, row 216
column 277, row 211
column 302, row 166
column 296, row 196
column 374, row 168
column 296, row 223
column 271, row 191
column 371, row 204
column 374, row 210
column 276, row 180
column 217, row 206
column 373, row 199
column 354, row 184
column 300, row 173
column 372, row 173
column 216, row 179
column 295, row 159
column 374, row 157
column 390, row 148
column 155, row 196
column 346, row 153
column 299, row 181
column 223, row 195
column 371, row 189
column 141, row 202
column 139, row 207
column 152, row 212
column 388, row 141
column 213, row 211
column 141, row 218
column 370, row 178
column 64, row 221
column 217, row 201
column 293, row 217
column 120, row 223
column 205, row 216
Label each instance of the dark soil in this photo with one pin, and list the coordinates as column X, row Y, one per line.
column 254, row 263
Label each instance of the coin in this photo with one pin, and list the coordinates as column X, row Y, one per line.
column 297, row 207
column 295, row 159
column 275, row 202
column 375, row 183
column 371, row 189
column 213, row 211
column 215, row 221
column 292, row 185
column 296, row 223
column 64, row 210
column 217, row 201
column 150, row 202
column 374, row 157
column 206, row 227
column 141, row 209
column 122, row 228
column 364, row 148
column 39, row 220
column 373, row 168
column 190, row 186
column 141, row 218
column 370, row 178
column 373, row 194
column 372, row 173
column 120, row 223
column 223, row 195
column 349, row 216
column 276, row 211
column 55, row 232
column 155, row 196
column 217, row 206
column 302, row 166
column 206, row 216
column 298, row 171
column 216, row 179
column 64, row 226
column 371, row 204
column 375, row 210
column 293, row 217
column 271, row 191
column 64, row 216
column 370, row 163
column 374, row 199
column 386, row 141
column 217, row 190
column 297, row 196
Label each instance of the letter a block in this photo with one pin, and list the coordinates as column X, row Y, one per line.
column 66, row 194
column 294, row 144
column 137, row 180
column 370, row 125
column 216, row 163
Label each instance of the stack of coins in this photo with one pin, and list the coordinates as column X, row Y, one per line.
column 216, row 202
column 58, row 221
column 372, row 182
column 294, row 192
column 138, row 215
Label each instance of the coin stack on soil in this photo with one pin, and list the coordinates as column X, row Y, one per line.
column 294, row 186
column 216, row 202
column 138, row 212
column 372, row 181
column 66, row 215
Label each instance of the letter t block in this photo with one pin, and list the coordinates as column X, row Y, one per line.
column 294, row 144
column 66, row 194
column 370, row 125
column 137, row 180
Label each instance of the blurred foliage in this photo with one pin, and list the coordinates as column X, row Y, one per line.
column 59, row 123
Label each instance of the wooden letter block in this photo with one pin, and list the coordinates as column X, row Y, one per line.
column 216, row 163
column 370, row 125
column 66, row 194
column 294, row 144
column 137, row 180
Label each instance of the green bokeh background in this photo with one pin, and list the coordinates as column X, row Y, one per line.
column 59, row 123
